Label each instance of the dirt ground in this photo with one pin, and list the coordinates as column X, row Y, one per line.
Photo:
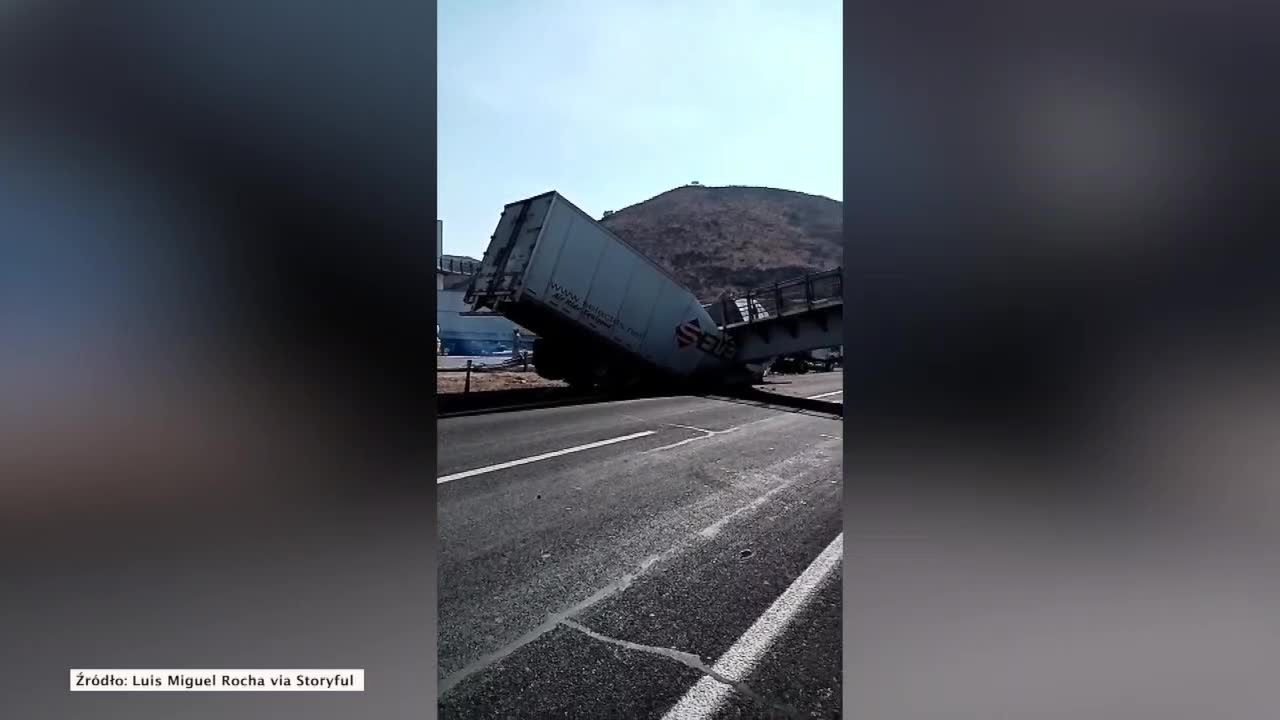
column 452, row 382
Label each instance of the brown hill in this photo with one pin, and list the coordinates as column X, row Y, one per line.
column 739, row 238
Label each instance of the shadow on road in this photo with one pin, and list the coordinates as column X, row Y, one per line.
column 788, row 403
column 494, row 401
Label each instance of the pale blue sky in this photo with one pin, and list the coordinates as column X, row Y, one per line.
column 611, row 102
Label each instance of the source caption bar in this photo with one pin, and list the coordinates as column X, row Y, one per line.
column 216, row 680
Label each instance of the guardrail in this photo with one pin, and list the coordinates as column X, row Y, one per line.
column 789, row 297
column 521, row 364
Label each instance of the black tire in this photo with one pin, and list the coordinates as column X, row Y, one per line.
column 546, row 362
column 584, row 383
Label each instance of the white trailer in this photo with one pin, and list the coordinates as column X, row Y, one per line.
column 603, row 312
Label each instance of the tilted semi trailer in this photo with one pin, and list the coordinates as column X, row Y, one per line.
column 605, row 314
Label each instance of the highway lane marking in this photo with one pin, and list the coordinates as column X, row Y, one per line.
column 714, row 528
column 543, row 456
column 706, row 697
column 705, row 433
column 686, row 441
column 816, row 397
column 701, row 430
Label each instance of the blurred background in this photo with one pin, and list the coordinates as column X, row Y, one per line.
column 1061, row 495
column 215, row 267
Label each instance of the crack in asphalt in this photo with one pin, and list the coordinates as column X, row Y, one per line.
column 688, row 659
column 554, row 620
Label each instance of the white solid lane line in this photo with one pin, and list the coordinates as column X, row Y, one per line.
column 815, row 397
column 543, row 456
column 705, row 698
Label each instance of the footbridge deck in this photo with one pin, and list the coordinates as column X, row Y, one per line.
column 806, row 313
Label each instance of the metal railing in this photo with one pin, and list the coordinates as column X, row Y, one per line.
column 455, row 265
column 789, row 297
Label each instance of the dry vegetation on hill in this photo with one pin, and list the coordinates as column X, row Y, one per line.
column 717, row 238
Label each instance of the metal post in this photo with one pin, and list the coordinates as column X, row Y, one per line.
column 466, row 385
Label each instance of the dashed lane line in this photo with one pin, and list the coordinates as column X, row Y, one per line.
column 544, row 456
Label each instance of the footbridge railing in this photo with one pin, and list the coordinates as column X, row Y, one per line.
column 788, row 298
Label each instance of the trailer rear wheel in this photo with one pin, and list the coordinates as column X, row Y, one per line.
column 546, row 361
column 580, row 382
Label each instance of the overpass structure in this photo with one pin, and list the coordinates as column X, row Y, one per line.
column 806, row 313
column 458, row 330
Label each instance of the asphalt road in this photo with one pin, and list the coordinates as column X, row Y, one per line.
column 684, row 564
